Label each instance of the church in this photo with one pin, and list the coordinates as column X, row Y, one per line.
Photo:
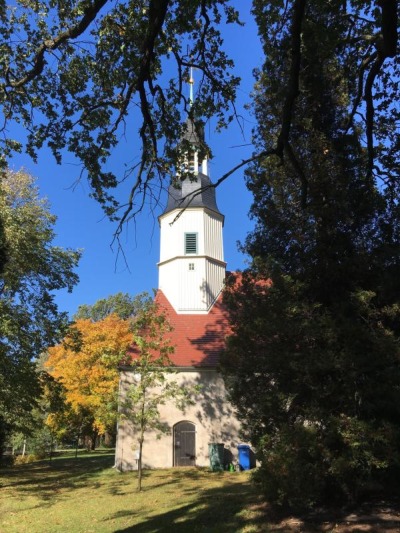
column 191, row 278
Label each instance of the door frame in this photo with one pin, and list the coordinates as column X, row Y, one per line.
column 174, row 462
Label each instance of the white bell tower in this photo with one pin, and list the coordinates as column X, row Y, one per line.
column 191, row 268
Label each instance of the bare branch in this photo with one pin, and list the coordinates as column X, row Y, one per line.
column 244, row 162
column 367, row 61
column 386, row 47
column 369, row 101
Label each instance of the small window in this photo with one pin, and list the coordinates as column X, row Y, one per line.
column 192, row 161
column 191, row 266
column 190, row 243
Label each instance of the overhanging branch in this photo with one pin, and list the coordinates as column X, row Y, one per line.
column 90, row 14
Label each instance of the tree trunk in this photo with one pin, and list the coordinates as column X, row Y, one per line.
column 139, row 487
column 3, row 436
column 93, row 441
column 141, row 439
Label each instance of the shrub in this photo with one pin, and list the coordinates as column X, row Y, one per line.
column 292, row 473
column 360, row 455
column 25, row 459
column 341, row 460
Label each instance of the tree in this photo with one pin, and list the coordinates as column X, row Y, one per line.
column 29, row 318
column 151, row 367
column 121, row 304
column 86, row 107
column 84, row 66
column 86, row 363
column 313, row 363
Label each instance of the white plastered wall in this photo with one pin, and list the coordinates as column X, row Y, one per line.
column 212, row 415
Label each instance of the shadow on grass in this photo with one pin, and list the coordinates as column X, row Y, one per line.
column 182, row 500
column 162, row 479
column 231, row 506
column 241, row 514
column 235, row 506
column 48, row 478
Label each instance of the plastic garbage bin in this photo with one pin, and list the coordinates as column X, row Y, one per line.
column 244, row 456
column 216, row 453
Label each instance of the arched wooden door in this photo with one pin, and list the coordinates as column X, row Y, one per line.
column 184, row 444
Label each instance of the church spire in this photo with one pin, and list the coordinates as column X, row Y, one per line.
column 194, row 137
column 184, row 191
column 192, row 267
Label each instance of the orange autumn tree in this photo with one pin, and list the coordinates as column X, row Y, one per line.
column 86, row 365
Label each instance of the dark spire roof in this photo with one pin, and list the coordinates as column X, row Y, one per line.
column 191, row 134
column 186, row 193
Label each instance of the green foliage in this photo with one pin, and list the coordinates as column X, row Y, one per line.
column 30, row 320
column 121, row 304
column 292, row 471
column 35, row 436
column 313, row 365
column 80, row 68
column 317, row 390
column 82, row 76
column 151, row 368
column 361, row 453
column 41, row 443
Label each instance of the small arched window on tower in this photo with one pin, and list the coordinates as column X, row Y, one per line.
column 188, row 164
column 192, row 161
column 190, row 243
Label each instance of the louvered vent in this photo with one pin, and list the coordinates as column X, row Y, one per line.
column 190, row 243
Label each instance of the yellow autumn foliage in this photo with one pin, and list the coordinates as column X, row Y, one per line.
column 86, row 363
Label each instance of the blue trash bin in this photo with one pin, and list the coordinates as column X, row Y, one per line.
column 244, row 456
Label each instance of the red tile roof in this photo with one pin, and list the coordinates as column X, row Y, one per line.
column 197, row 339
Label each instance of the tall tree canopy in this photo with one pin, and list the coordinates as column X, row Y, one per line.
column 325, row 179
column 313, row 364
column 29, row 318
column 72, row 72
column 121, row 304
column 77, row 74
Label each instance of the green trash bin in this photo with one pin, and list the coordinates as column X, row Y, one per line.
column 216, row 453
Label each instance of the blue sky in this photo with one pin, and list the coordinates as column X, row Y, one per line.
column 81, row 223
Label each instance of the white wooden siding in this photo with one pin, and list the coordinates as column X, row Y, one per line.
column 191, row 290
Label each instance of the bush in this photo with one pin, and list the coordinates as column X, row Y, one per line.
column 361, row 455
column 292, row 474
column 25, row 459
column 341, row 461
column 41, row 443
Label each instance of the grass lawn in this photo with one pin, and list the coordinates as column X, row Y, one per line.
column 87, row 495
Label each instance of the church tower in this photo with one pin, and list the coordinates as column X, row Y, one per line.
column 191, row 268
column 191, row 278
